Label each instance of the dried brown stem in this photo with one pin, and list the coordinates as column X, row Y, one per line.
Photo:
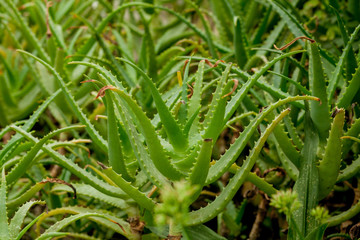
column 56, row 180
column 292, row 42
column 191, row 91
column 101, row 92
column 213, row 65
column 236, row 83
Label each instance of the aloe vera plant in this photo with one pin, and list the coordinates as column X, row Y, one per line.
column 171, row 131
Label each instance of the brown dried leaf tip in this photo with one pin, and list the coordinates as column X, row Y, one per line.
column 185, row 63
column 236, row 83
column 213, row 65
column 56, row 180
column 101, row 92
column 103, row 166
column 293, row 41
column 191, row 91
column 117, row 224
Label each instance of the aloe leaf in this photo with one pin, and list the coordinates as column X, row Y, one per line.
column 132, row 191
column 307, row 184
column 239, row 96
column 116, row 157
column 200, row 170
column 344, row 216
column 335, row 77
column 14, row 203
column 241, row 54
column 353, row 131
column 286, row 145
column 350, row 91
column 102, row 175
column 350, row 171
column 319, row 111
column 214, row 208
column 173, row 130
column 236, row 148
column 86, row 190
column 4, row 227
column 297, row 85
column 194, row 101
column 213, row 122
column 156, row 150
column 262, row 27
column 75, row 107
column 317, row 233
column 202, row 232
column 150, row 48
column 329, row 166
column 20, row 168
column 17, row 220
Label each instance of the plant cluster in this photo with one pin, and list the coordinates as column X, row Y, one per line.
column 165, row 119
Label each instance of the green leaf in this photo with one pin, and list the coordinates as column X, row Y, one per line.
column 87, row 190
column 14, row 203
column 350, row 171
column 347, row 96
column 319, row 111
column 4, row 227
column 307, row 184
column 202, row 232
column 200, row 170
column 116, row 157
column 329, row 167
column 213, row 122
column 132, row 191
column 241, row 54
column 17, row 220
